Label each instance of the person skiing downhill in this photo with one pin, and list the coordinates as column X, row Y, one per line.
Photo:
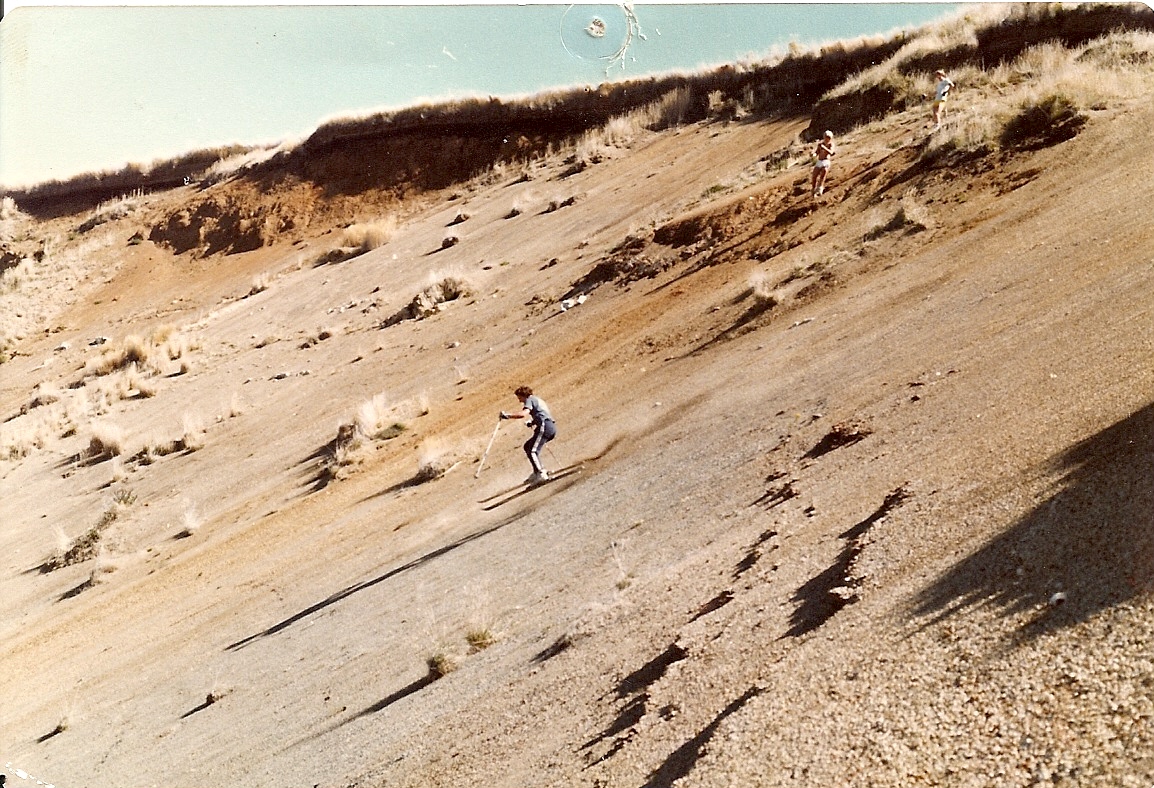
column 544, row 430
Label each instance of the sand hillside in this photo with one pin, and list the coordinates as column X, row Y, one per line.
column 854, row 491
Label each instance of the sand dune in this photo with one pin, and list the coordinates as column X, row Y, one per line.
column 864, row 491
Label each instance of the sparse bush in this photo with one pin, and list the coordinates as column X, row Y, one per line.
column 1053, row 119
column 369, row 236
column 107, row 440
column 428, row 302
column 911, row 217
column 86, row 546
column 110, row 212
column 761, row 288
column 320, row 336
column 479, row 639
column 8, row 209
column 193, row 438
column 260, row 283
column 124, row 497
column 133, row 350
column 433, row 462
column 441, row 664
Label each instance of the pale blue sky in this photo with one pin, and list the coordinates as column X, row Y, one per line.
column 93, row 88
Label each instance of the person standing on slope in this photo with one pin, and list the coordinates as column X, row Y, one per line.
column 941, row 93
column 544, row 430
column 824, row 154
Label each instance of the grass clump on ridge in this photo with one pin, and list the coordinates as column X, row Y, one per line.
column 479, row 639
column 431, row 299
column 375, row 421
column 148, row 354
column 1041, row 97
column 86, row 546
column 371, row 235
column 441, row 664
column 106, row 441
column 911, row 217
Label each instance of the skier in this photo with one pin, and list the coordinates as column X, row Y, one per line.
column 544, row 430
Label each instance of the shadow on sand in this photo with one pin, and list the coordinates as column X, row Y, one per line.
column 1093, row 540
column 344, row 593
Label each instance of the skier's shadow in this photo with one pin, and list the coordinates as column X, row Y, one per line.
column 349, row 591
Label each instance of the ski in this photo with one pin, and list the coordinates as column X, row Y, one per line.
column 524, row 489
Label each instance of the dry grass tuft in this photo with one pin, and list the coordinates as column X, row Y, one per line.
column 43, row 394
column 20, row 437
column 106, row 441
column 156, row 447
column 911, row 216
column 441, row 664
column 86, row 546
column 368, row 236
column 111, row 211
column 761, row 287
column 377, row 420
column 479, row 639
column 235, row 407
column 148, row 355
column 430, row 301
column 433, row 462
column 1038, row 98
column 671, row 110
column 190, row 522
column 342, row 454
column 194, row 436
column 260, row 283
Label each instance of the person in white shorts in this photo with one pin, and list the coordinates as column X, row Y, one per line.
column 824, row 154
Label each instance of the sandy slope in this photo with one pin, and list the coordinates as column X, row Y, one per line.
column 665, row 614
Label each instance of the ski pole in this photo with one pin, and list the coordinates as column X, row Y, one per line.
column 477, row 475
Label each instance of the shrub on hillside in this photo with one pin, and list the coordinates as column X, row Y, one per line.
column 106, row 441
column 110, row 211
column 1053, row 119
column 368, row 236
column 86, row 546
column 430, row 300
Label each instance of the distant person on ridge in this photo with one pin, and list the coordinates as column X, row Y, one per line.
column 941, row 93
column 824, row 153
column 544, row 430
